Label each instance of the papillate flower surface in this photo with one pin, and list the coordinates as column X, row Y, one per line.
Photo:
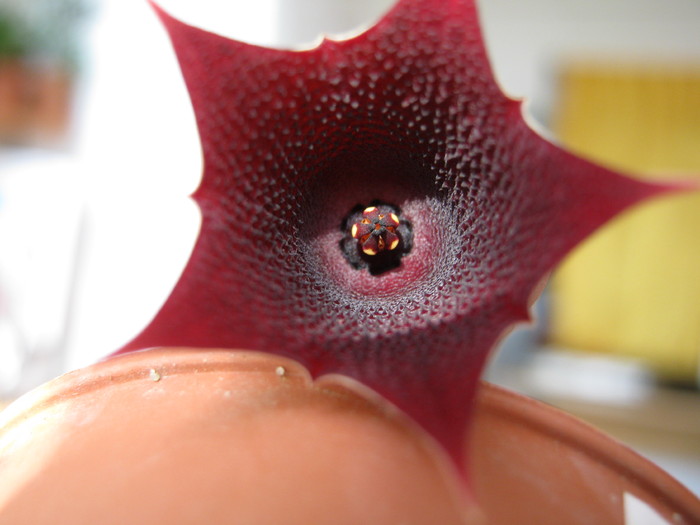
column 406, row 118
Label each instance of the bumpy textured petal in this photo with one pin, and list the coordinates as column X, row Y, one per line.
column 407, row 113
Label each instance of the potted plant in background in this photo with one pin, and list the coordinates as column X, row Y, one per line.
column 462, row 211
column 38, row 59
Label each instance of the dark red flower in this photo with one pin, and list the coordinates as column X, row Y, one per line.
column 407, row 115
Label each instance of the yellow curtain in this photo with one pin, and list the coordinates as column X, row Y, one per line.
column 634, row 288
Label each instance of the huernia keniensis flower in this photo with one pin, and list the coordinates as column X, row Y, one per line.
column 405, row 118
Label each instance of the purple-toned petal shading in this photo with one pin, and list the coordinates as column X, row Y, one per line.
column 408, row 113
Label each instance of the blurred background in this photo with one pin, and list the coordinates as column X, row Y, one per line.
column 98, row 152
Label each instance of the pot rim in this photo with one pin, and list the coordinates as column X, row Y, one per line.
column 541, row 418
column 618, row 457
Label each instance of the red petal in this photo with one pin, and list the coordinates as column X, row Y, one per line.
column 407, row 113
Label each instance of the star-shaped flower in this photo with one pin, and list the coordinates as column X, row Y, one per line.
column 407, row 114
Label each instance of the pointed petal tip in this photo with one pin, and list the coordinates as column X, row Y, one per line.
column 680, row 185
column 660, row 188
column 157, row 8
column 164, row 16
column 166, row 19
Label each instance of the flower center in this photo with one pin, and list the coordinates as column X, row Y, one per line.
column 376, row 231
column 375, row 237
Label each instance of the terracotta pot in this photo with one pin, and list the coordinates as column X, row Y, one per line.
column 35, row 102
column 200, row 436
